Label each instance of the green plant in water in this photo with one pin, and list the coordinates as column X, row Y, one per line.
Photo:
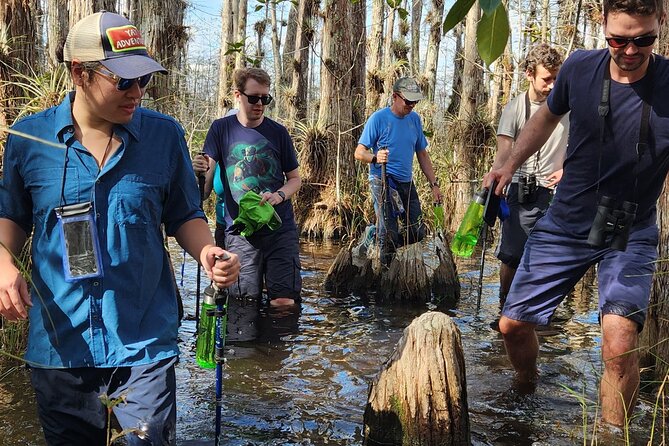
column 110, row 403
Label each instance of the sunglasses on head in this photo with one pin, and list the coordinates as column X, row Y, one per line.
column 124, row 84
column 406, row 101
column 622, row 42
column 264, row 100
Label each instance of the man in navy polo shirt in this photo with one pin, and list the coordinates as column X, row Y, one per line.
column 104, row 311
column 604, row 210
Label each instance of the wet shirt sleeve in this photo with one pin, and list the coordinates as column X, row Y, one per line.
column 183, row 199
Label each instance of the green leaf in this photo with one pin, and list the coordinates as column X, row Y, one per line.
column 489, row 6
column 457, row 12
column 394, row 3
column 492, row 34
column 403, row 13
column 258, row 8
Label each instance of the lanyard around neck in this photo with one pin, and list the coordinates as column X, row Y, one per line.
column 604, row 110
column 528, row 106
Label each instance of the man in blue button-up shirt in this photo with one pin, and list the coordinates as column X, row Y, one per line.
column 113, row 333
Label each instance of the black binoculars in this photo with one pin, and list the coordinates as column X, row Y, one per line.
column 612, row 220
column 527, row 189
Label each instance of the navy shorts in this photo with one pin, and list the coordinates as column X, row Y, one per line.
column 72, row 413
column 272, row 258
column 522, row 218
column 553, row 262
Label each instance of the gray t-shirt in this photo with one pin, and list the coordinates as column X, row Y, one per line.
column 551, row 156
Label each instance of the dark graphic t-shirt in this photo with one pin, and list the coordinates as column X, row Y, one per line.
column 253, row 159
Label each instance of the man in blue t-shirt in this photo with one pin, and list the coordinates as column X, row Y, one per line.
column 394, row 134
column 256, row 154
column 604, row 210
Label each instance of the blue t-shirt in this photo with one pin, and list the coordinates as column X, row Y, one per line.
column 578, row 89
column 129, row 316
column 401, row 136
column 253, row 159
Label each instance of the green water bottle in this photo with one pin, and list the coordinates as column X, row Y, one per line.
column 467, row 235
column 205, row 349
column 438, row 211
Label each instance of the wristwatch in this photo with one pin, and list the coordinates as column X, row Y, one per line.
column 282, row 194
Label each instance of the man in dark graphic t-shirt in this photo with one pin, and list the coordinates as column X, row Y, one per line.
column 256, row 154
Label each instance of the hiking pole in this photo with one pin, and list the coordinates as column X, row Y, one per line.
column 490, row 212
column 200, row 185
column 484, row 232
column 382, row 212
column 221, row 323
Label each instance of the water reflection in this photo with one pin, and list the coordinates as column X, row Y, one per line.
column 302, row 378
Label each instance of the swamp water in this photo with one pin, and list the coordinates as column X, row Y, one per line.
column 303, row 379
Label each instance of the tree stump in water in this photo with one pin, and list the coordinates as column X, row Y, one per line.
column 415, row 273
column 420, row 396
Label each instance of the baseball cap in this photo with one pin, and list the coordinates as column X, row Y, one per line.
column 409, row 88
column 114, row 42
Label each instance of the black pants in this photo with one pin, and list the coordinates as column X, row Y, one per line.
column 72, row 403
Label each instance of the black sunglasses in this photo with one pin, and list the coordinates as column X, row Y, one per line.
column 124, row 84
column 622, row 42
column 406, row 101
column 264, row 100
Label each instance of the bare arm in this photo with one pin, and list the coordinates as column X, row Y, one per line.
column 534, row 135
column 14, row 296
column 204, row 165
column 504, row 149
column 195, row 237
column 290, row 187
column 364, row 155
column 426, row 166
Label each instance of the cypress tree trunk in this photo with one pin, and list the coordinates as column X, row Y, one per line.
column 297, row 103
column 57, row 27
column 374, row 83
column 226, row 61
column 240, row 34
column 276, row 53
column 656, row 330
column 289, row 47
column 467, row 137
column 162, row 26
column 388, row 52
column 458, row 67
column 435, row 19
column 359, row 15
column 18, row 53
column 420, row 396
column 335, row 106
column 78, row 9
column 416, row 16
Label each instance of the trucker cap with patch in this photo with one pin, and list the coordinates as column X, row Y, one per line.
column 409, row 88
column 114, row 42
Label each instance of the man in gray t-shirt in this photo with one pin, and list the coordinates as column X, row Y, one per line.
column 531, row 189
